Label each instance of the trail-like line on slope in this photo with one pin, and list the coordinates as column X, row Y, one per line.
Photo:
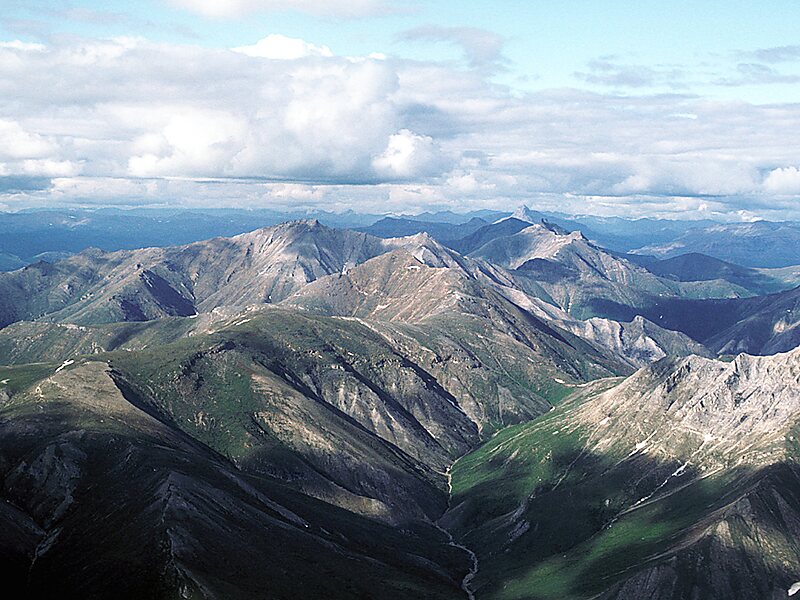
column 466, row 583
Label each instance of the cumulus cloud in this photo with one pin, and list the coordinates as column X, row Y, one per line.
column 135, row 122
column 324, row 8
column 609, row 72
column 783, row 181
column 280, row 47
column 409, row 155
column 776, row 54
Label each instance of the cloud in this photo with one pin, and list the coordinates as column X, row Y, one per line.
column 322, row 8
column 783, row 181
column 23, row 46
column 776, row 54
column 280, row 47
column 756, row 73
column 482, row 48
column 608, row 72
column 409, row 155
column 129, row 121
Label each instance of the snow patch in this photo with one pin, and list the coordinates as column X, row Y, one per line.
column 64, row 365
column 794, row 589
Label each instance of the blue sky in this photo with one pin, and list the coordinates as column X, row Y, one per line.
column 719, row 68
column 546, row 43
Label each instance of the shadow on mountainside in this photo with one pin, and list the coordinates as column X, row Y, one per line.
column 578, row 524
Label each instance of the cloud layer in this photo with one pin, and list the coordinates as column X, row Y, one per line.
column 283, row 121
column 324, row 8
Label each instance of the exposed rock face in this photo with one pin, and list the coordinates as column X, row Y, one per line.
column 639, row 342
column 765, row 325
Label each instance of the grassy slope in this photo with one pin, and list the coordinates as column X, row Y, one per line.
column 548, row 519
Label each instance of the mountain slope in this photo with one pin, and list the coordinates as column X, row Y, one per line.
column 391, row 227
column 757, row 325
column 101, row 499
column 487, row 233
column 426, row 293
column 699, row 267
column 681, row 481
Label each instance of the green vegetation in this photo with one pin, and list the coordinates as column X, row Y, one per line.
column 552, row 520
column 16, row 379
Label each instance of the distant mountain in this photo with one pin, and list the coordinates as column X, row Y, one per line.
column 487, row 233
column 679, row 482
column 756, row 325
column 448, row 216
column 49, row 235
column 10, row 262
column 758, row 244
column 580, row 277
column 262, row 266
column 700, row 267
column 390, row 227
column 623, row 235
column 615, row 233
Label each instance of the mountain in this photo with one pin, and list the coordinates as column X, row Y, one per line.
column 681, row 481
column 391, row 418
column 28, row 236
column 448, row 216
column 424, row 294
column 487, row 233
column 105, row 497
column 700, row 267
column 623, row 235
column 265, row 265
column 615, row 233
column 579, row 276
column 756, row 325
column 639, row 342
column 390, row 227
column 758, row 244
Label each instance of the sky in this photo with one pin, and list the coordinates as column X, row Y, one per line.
column 610, row 107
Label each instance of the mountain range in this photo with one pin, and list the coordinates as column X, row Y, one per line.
column 497, row 408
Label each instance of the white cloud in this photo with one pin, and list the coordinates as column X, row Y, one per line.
column 409, row 155
column 783, row 181
column 280, row 47
column 147, row 118
column 17, row 143
column 323, row 8
column 23, row 46
column 192, row 143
